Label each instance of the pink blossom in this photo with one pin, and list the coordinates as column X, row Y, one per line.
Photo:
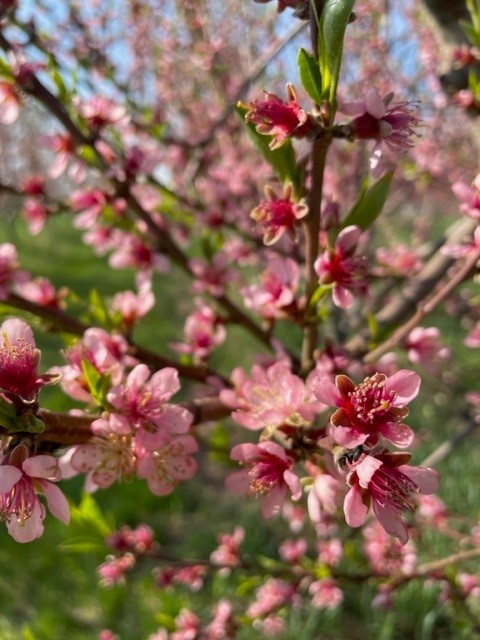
column 132, row 252
column 169, row 463
column 274, row 295
column 275, row 117
column 279, row 215
column 271, row 398
column 387, row 555
column 132, row 306
column 292, row 551
column 138, row 540
column 22, row 478
column 36, row 214
column 187, row 626
column 382, row 120
column 10, row 273
column 100, row 111
column 371, row 409
column 42, row 291
column 330, row 552
column 424, row 347
column 294, row 514
column 212, row 277
column 386, row 482
column 34, row 186
column 457, row 251
column 400, row 260
column 272, row 595
column 340, row 267
column 191, row 576
column 113, row 570
column 227, row 554
column 19, row 360
column 324, row 496
column 91, row 202
column 223, row 624
column 325, row 594
column 432, row 509
column 473, row 338
column 203, row 333
column 267, row 473
column 469, row 196
column 141, row 403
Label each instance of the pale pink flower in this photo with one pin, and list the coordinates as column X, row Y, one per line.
column 295, row 516
column 113, row 570
column 191, row 576
column 272, row 626
column 100, row 111
column 292, row 551
column 272, row 595
column 341, row 268
column 380, row 119
column 141, row 403
column 274, row 295
column 275, row 117
column 374, row 408
column 34, row 186
column 424, row 347
column 386, row 482
column 203, row 333
column 324, row 496
column 42, row 291
column 91, row 202
column 19, row 360
column 212, row 277
column 132, row 252
column 10, row 273
column 387, row 555
column 132, row 306
column 223, row 624
column 325, row 594
column 432, row 510
column 138, row 540
column 271, row 398
column 462, row 250
column 268, row 473
column 279, row 215
column 330, row 552
column 169, row 463
column 469, row 196
column 35, row 214
column 399, row 260
column 470, row 584
column 227, row 554
column 22, row 478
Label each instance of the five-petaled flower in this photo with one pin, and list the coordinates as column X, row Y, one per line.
column 267, row 473
column 275, row 117
column 373, row 408
column 279, row 215
column 385, row 481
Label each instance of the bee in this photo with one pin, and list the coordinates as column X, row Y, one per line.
column 342, row 456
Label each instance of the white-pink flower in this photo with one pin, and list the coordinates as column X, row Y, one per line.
column 22, row 479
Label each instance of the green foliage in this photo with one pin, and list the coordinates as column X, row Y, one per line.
column 331, row 32
column 369, row 204
column 310, row 75
column 98, row 384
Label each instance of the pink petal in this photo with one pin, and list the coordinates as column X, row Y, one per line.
column 181, row 468
column 405, row 384
column 462, row 191
column 42, row 467
column 366, row 469
column 426, row 479
column 348, row 239
column 238, row 481
column 165, row 382
column 245, row 451
column 293, row 483
column 342, row 298
column 86, row 457
column 17, row 331
column 174, row 419
column 29, row 529
column 138, row 376
column 57, row 502
column 348, row 436
column 272, row 503
column 400, row 434
column 391, row 522
column 354, row 507
column 374, row 104
column 9, row 476
column 326, row 392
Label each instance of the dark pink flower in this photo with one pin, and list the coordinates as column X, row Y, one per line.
column 280, row 119
column 340, row 267
column 275, row 293
column 373, row 408
column 386, row 482
column 279, row 215
column 268, row 474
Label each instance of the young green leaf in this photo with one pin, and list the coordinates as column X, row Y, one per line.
column 310, row 75
column 370, row 204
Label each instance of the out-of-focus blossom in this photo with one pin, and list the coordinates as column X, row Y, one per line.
column 275, row 293
column 398, row 261
column 292, row 550
column 212, row 277
column 42, row 291
column 469, row 196
column 325, row 594
column 113, row 570
column 279, row 215
column 203, row 333
column 10, row 102
column 10, row 272
column 424, row 347
column 462, row 250
column 227, row 554
column 340, row 267
column 387, row 555
column 268, row 473
column 100, row 111
column 371, row 409
column 473, row 338
column 282, row 120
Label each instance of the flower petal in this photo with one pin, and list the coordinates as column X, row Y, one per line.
column 57, row 502
column 354, row 507
column 405, row 384
column 9, row 476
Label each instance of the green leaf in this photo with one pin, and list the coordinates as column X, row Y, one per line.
column 310, row 75
column 98, row 309
column 334, row 20
column 282, row 160
column 318, row 294
column 370, row 204
column 83, row 544
column 88, row 522
column 98, row 383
